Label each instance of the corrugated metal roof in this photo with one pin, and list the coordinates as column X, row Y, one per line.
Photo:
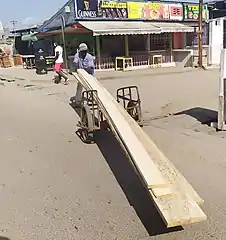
column 120, row 27
column 173, row 27
column 133, row 27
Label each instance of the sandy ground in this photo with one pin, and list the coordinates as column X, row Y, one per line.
column 53, row 186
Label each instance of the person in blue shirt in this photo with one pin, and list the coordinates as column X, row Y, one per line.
column 84, row 60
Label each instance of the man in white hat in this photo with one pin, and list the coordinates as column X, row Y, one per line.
column 84, row 60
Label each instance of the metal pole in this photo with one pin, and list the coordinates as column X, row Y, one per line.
column 98, row 50
column 200, row 34
column 126, row 39
column 63, row 38
column 14, row 22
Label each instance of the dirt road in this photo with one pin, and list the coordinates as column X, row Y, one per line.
column 55, row 187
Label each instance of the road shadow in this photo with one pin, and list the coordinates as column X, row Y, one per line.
column 4, row 238
column 76, row 108
column 131, row 184
column 203, row 115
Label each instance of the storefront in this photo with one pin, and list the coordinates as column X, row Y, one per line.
column 133, row 29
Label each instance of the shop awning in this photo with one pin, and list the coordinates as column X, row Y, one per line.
column 173, row 27
column 120, row 27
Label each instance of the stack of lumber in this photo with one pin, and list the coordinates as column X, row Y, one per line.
column 174, row 197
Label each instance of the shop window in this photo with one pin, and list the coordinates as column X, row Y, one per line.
column 159, row 41
column 137, row 43
column 112, row 46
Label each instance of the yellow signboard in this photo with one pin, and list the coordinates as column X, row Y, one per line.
column 114, row 5
column 154, row 5
column 193, row 7
column 135, row 9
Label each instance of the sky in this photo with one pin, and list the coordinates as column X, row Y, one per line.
column 28, row 12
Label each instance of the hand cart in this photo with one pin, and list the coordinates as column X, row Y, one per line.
column 130, row 99
column 91, row 117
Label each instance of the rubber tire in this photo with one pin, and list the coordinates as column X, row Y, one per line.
column 87, row 120
column 130, row 111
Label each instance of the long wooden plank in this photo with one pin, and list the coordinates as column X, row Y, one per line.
column 141, row 158
column 177, row 209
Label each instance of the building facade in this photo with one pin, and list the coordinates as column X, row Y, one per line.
column 134, row 29
column 217, row 30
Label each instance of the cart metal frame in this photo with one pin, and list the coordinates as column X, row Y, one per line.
column 91, row 117
column 129, row 97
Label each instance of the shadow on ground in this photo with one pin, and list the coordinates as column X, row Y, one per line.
column 203, row 115
column 4, row 238
column 131, row 184
column 73, row 105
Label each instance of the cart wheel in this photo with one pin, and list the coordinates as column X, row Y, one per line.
column 132, row 109
column 87, row 122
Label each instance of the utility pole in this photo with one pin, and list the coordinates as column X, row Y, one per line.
column 63, row 38
column 14, row 22
column 200, row 34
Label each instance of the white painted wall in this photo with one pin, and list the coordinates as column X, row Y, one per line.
column 216, row 33
column 1, row 30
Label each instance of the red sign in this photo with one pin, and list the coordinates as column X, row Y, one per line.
column 176, row 12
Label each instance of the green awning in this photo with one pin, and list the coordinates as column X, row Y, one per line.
column 29, row 37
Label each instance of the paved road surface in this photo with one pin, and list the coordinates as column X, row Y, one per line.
column 55, row 187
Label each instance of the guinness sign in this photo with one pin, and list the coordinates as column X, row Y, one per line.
column 86, row 9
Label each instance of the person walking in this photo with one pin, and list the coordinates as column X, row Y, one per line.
column 84, row 60
column 59, row 63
